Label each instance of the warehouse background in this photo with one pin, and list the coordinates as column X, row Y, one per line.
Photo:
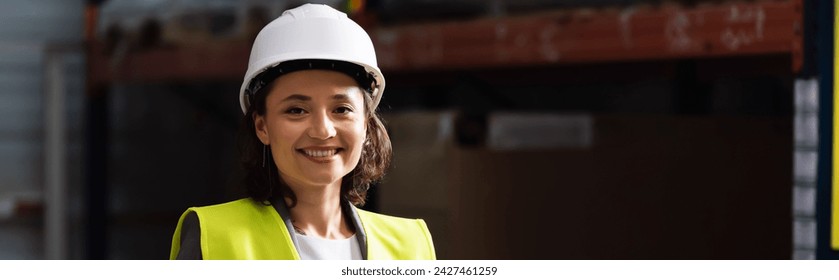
column 609, row 129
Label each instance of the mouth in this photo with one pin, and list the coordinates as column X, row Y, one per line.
column 319, row 153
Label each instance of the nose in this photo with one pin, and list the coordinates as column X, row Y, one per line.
column 322, row 127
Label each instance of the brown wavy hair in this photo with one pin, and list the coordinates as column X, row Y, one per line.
column 262, row 181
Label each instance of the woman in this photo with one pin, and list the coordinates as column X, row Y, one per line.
column 312, row 145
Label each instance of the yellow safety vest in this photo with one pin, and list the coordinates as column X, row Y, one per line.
column 245, row 229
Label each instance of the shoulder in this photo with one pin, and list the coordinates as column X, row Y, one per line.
column 236, row 205
column 391, row 237
column 387, row 219
column 225, row 220
column 243, row 212
column 393, row 225
column 240, row 229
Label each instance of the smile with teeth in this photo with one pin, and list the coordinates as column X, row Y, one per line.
column 320, row 153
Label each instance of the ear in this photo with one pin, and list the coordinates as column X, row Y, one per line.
column 261, row 129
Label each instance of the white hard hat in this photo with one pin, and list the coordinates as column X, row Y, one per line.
column 312, row 33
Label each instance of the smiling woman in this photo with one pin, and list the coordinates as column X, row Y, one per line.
column 311, row 145
column 315, row 126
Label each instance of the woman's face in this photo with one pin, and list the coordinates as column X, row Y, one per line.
column 314, row 123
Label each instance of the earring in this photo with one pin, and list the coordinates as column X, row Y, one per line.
column 267, row 170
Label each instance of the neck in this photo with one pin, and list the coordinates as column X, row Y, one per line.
column 318, row 212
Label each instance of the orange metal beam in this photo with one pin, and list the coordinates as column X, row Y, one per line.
column 576, row 36
column 219, row 61
column 557, row 37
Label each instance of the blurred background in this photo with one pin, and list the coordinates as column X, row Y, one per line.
column 530, row 129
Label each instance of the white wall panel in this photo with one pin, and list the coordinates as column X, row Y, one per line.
column 28, row 28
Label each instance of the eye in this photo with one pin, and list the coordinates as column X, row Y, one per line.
column 343, row 110
column 295, row 111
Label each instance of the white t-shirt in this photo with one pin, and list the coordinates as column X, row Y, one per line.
column 316, row 248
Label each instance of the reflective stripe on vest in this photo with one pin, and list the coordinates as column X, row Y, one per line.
column 245, row 229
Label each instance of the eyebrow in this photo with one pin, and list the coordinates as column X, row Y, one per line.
column 297, row 97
